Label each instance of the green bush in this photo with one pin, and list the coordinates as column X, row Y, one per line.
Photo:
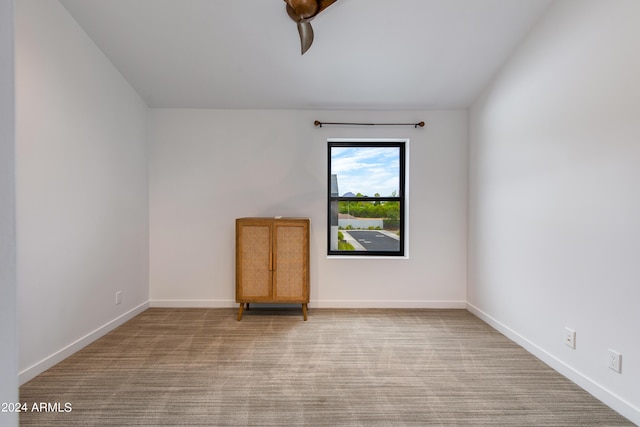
column 344, row 246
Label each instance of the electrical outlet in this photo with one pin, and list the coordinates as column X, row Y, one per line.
column 118, row 297
column 615, row 361
column 570, row 338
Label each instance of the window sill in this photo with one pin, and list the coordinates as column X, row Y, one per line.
column 366, row 257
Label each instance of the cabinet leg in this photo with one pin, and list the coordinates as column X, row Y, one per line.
column 247, row 307
column 240, row 311
column 304, row 311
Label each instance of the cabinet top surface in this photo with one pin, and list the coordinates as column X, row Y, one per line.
column 271, row 218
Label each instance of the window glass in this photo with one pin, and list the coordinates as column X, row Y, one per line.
column 366, row 198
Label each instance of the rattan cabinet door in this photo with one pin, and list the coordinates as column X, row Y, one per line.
column 291, row 272
column 253, row 261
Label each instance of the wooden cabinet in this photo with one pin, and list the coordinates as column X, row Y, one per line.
column 272, row 261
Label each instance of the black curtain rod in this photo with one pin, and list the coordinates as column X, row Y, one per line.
column 415, row 125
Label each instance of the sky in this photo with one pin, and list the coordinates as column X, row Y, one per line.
column 366, row 170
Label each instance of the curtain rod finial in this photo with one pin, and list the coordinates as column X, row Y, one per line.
column 421, row 124
column 318, row 123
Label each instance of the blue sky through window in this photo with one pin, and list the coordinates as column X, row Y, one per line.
column 366, row 170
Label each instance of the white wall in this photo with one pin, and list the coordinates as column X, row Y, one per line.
column 82, row 189
column 554, row 223
column 208, row 167
column 8, row 294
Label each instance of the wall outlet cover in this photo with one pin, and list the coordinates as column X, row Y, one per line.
column 615, row 361
column 570, row 337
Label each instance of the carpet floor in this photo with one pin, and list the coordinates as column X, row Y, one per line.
column 347, row 367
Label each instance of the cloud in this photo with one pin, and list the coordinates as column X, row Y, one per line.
column 366, row 170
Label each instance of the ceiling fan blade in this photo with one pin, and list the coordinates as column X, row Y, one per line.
column 306, row 35
column 302, row 12
column 323, row 4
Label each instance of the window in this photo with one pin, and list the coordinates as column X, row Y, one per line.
column 366, row 200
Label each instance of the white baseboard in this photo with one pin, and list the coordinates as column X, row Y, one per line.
column 57, row 357
column 320, row 304
column 188, row 303
column 610, row 399
column 334, row 303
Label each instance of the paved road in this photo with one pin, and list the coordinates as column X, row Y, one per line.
column 373, row 240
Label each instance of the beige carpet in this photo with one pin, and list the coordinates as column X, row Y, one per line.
column 340, row 368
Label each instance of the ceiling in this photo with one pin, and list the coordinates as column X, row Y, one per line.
column 367, row 54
